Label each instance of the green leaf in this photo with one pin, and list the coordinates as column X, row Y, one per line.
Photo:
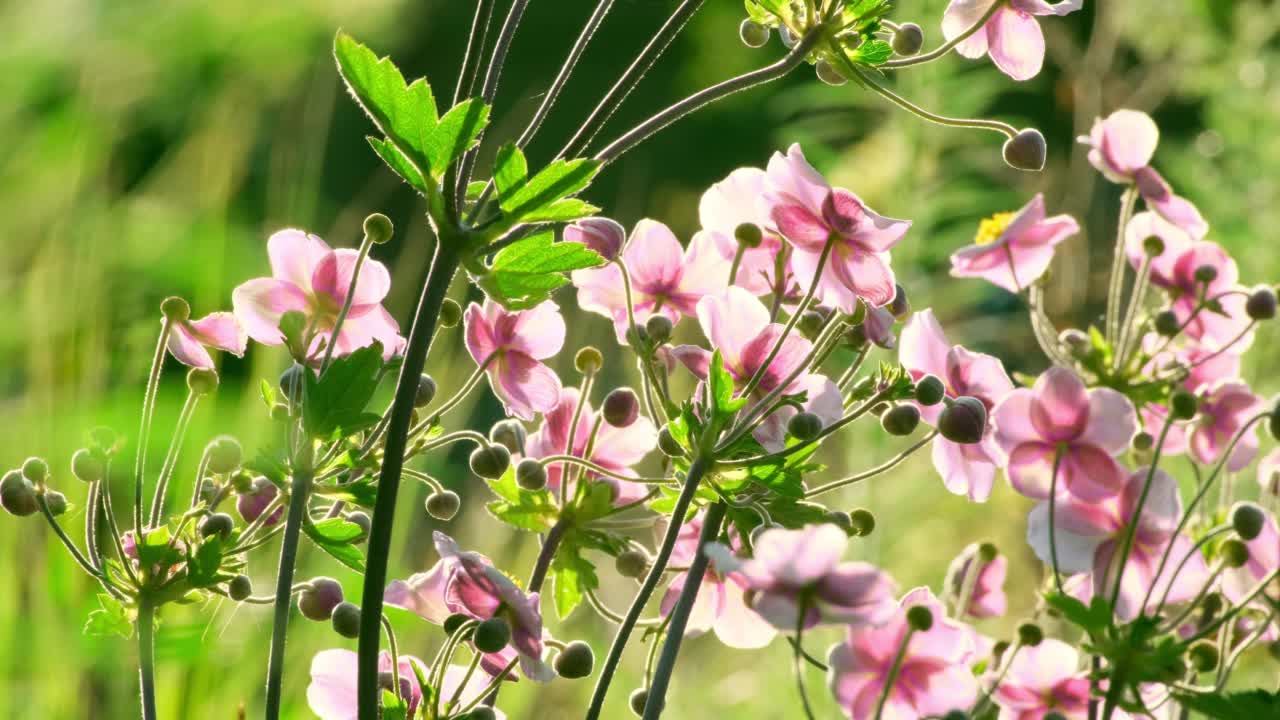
column 1094, row 618
column 572, row 576
column 393, row 708
column 268, row 394
column 337, row 530
column 510, row 169
column 203, row 565
column 405, row 113
column 1232, row 706
column 534, row 511
column 334, row 403
column 524, row 273
column 562, row 178
column 457, row 133
column 596, row 502
column 341, row 550
column 110, row 619
column 400, row 165
column 156, row 549
column 293, row 324
column 720, row 384
column 271, row 463
column 872, row 52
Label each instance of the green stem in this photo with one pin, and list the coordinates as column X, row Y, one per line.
column 1137, row 515
column 171, row 457
column 896, row 668
column 798, row 661
column 144, row 432
column 947, row 46
column 147, row 658
column 299, row 494
column 1116, row 285
column 346, row 304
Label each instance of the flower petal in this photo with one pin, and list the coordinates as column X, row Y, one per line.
column 1016, row 43
column 294, row 256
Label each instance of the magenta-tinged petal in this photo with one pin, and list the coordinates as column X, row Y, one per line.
column 1041, row 7
column 856, row 593
column 995, row 264
column 1089, row 473
column 479, row 334
column 423, row 593
column 186, row 348
column 831, row 292
column 259, row 303
column 1177, row 210
column 654, row 255
column 791, row 356
column 539, row 331
column 792, row 175
column 1126, row 140
column 703, row 272
column 800, row 225
column 781, row 608
column 294, row 256
column 961, row 15
column 373, row 323
column 796, row 558
column 601, row 234
column 220, row 330
column 697, row 359
column 868, row 229
column 1030, row 469
column 332, row 277
column 1060, row 410
column 1113, row 421
column 867, row 274
column 524, row 385
column 978, row 375
column 730, row 321
column 1016, row 43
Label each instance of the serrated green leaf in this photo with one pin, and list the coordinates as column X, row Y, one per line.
column 524, row 273
column 204, row 564
column 560, row 179
column 510, row 170
column 400, row 164
column 872, row 52
column 334, row 403
column 1255, row 704
column 337, row 530
column 572, row 576
column 456, row 133
column 341, row 550
column 393, row 708
column 110, row 619
column 534, row 511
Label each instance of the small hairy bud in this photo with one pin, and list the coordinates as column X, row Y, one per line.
column 1143, row 442
column 963, row 421
column 175, row 309
column 621, row 407
column 908, row 39
column 217, row 525
column 426, row 391
column 576, row 660
column 1153, row 245
column 450, row 313
column 1030, row 634
column 1235, row 554
column 1183, row 405
column 491, row 635
column 606, row 237
column 639, row 698
column 930, row 390
column 855, row 337
column 1203, row 656
column 864, row 522
column 668, row 445
column 588, row 361
column 224, row 454
column 810, row 323
column 35, row 469
column 1076, row 342
column 753, row 35
column 1211, row 604
column 920, row 618
column 748, row 235
column 1248, row 519
column 443, row 505
column 1166, row 323
column 830, row 74
column 378, row 228
column 346, row 620
column 658, row 327
column 1026, row 151
column 453, row 622
column 1261, row 304
column 56, row 502
column 804, row 426
column 901, row 420
column 86, row 465
column 1206, row 274
column 490, row 461
column 317, row 602
column 631, row 563
column 840, row 519
column 510, row 434
column 239, row 588
column 202, row 381
column 360, row 519
column 900, row 305
column 17, row 495
column 531, row 475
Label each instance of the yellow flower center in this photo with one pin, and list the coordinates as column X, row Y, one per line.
column 992, row 228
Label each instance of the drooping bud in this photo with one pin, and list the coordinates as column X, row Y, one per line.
column 1026, row 151
column 575, row 661
column 426, row 391
column 864, row 522
column 510, row 434
column 1205, row 274
column 658, row 327
column 490, row 461
column 1235, row 554
column 753, row 35
column 531, row 475
column 631, row 563
column 901, row 420
column 1166, row 323
column 360, row 519
column 217, row 525
column 318, row 601
column 202, row 381
column 453, row 622
column 443, row 505
column 346, row 620
column 588, row 361
column 175, row 309
column 840, row 519
column 810, row 323
column 963, row 421
column 1203, row 656
column 56, row 502
column 378, row 228
column 450, row 313
column 749, row 235
column 1261, row 304
column 606, row 237
column 239, row 588
column 668, row 445
column 900, row 305
column 920, row 618
column 930, row 390
column 224, row 454
column 621, row 407
column 640, row 696
column 1183, row 405
column 491, row 635
column 86, row 465
column 1030, row 634
column 908, row 39
column 1153, row 245
column 1248, row 520
column 804, row 426
column 830, row 74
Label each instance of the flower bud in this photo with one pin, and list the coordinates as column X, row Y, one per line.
column 963, row 421
column 510, row 434
column 901, row 420
column 1076, row 342
column 987, row 552
column 360, row 519
column 86, row 465
column 855, row 337
column 1235, row 554
column 491, row 635
column 531, row 475
column 575, row 661
column 318, row 601
column 1248, row 520
column 863, row 521
column 490, row 461
column 804, row 426
column 929, row 390
column 443, row 505
column 588, row 361
column 810, row 323
column 908, row 39
column 1205, row 274
column 291, row 383
column 658, row 327
column 1211, row 604
column 1026, row 150
column 830, row 74
column 637, row 336
column 621, row 407
column 1203, row 656
column 239, row 588
column 202, row 381
column 749, row 235
column 956, row 715
column 1183, row 405
column 224, row 454
column 280, row 412
column 252, row 504
column 36, row 470
column 1166, row 323
column 175, row 309
column 17, row 495
column 606, row 237
column 479, row 712
column 1142, row 442
column 631, row 563
column 840, row 519
column 217, row 525
column 450, row 313
column 668, row 445
column 1273, row 649
column 1030, row 634
column 753, row 35
column 920, row 618
column 1273, row 422
column 1153, row 245
column 453, row 622
column 426, row 391
column 378, row 228
column 900, row 305
column 1261, row 304
column 346, row 620
column 56, row 502
column 1054, row 715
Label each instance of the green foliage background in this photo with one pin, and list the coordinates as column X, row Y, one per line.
column 151, row 147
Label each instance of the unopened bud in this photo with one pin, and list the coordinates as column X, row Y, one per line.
column 920, row 618
column 217, row 525
column 1206, row 274
column 1143, row 442
column 1273, row 422
column 1183, row 405
column 1248, row 520
column 621, row 407
column 1153, row 245
column 531, row 475
column 1203, row 656
column 346, row 620
column 378, row 228
column 510, row 434
column 659, row 328
column 830, row 74
column 588, row 361
column 479, row 712
column 86, row 465
column 202, row 381
column 1261, row 304
column 450, row 313
column 453, row 622
column 840, row 519
column 640, row 696
column 224, row 454
column 575, row 661
column 631, row 563
column 606, row 237
column 908, row 39
column 175, row 309
column 360, row 519
column 863, row 521
column 930, row 390
column 804, row 426
column 668, row 445
column 239, row 588
column 318, row 601
column 810, row 323
column 1026, row 151
column 748, row 235
column 443, row 505
column 292, row 382
column 900, row 305
column 426, row 391
column 753, row 35
column 56, row 502
column 1030, row 634
column 17, row 495
column 901, row 420
column 491, row 635
column 35, row 469
column 964, row 421
column 1166, row 323
column 1235, row 554
column 490, row 461
column 987, row 552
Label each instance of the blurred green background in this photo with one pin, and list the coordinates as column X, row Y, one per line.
column 153, row 147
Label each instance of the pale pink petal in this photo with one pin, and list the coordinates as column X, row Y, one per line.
column 624, row 447
column 703, row 272
column 475, row 687
column 294, row 256
column 697, row 359
column 373, row 324
column 186, row 348
column 653, row 255
column 1030, row 469
column 923, row 346
column 796, row 558
column 1060, row 410
column 332, row 277
column 220, row 330
column 1113, row 421
column 1042, row 667
column 1177, row 210
column 1075, row 552
column 959, row 17
column 539, row 331
column 524, row 385
column 259, row 303
column 733, row 201
column 731, row 320
column 995, row 264
column 867, row 274
column 793, row 176
column 1176, row 241
column 1012, row 420
column 800, row 225
column 1017, row 43
column 1041, row 7
column 606, row 237
column 707, row 604
column 964, row 471
column 1089, row 473
column 479, row 334
column 738, row 626
column 422, row 593
column 1126, row 140
column 332, row 692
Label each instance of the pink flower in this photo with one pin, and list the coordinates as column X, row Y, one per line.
column 1122, row 146
column 737, row 324
column 735, row 200
column 807, row 212
column 468, row 583
column 189, row 340
column 1042, row 679
column 1012, row 37
column 308, row 277
column 1264, row 559
column 987, row 598
column 665, row 278
column 1269, row 473
column 616, row 449
column 600, row 234
column 965, row 469
column 799, row 571
column 933, row 679
column 513, row 343
column 721, row 603
column 1090, row 535
column 1012, row 250
column 332, row 692
column 1224, row 409
column 1058, row 415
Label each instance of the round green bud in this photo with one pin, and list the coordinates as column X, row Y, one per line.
column 378, row 228
column 1153, row 245
column 588, row 361
column 987, row 552
column 1206, row 274
column 900, row 305
column 637, row 336
column 575, row 661
column 1002, row 646
column 804, row 426
column 56, row 502
column 453, row 622
column 748, row 235
column 668, row 445
column 531, row 475
column 864, row 522
column 1261, row 304
column 1248, row 520
column 510, row 434
column 224, row 454
column 901, row 420
column 202, row 381
column 280, row 412
column 1030, row 634
column 426, row 391
column 239, row 588
column 491, row 635
column 1026, row 151
column 659, row 328
column 840, row 519
column 830, row 74
column 920, row 618
column 753, row 35
column 86, row 465
column 1143, row 442
column 479, row 712
column 360, row 519
column 955, row 715
column 1183, row 405
column 963, row 421
column 175, row 309
column 450, row 313
column 346, row 620
column 1166, row 323
column 443, row 505
column 320, row 598
column 1076, row 342
column 17, row 495
column 490, row 461
column 1211, row 604
column 631, row 563
column 639, row 698
column 930, row 390
column 908, row 39
column 217, row 525
column 811, row 323
column 35, row 469
column 621, row 407
column 1203, row 656
column 1235, row 554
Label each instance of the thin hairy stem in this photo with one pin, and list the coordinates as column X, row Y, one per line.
column 877, row 470
column 894, row 670
column 946, row 47
column 147, row 658
column 171, row 457
column 1115, row 286
column 1053, row 511
column 972, row 123
column 361, row 256
column 299, row 494
column 144, row 432
column 1132, row 530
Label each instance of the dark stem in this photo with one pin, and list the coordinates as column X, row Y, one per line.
column 468, row 75
column 548, row 553
column 443, row 266
column 147, row 658
column 570, row 62
column 299, row 494
column 680, row 614
column 696, row 471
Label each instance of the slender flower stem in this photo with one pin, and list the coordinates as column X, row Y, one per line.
column 680, row 614
column 797, row 665
column 1132, row 530
column 394, row 649
column 1225, row 347
column 1235, row 609
column 467, row 386
column 893, row 672
column 171, row 457
column 587, row 381
column 67, row 542
column 1195, row 549
column 299, row 494
column 877, row 470
column 549, row 546
column 491, row 77
column 697, row 470
column 828, row 430
column 147, row 658
column 1006, row 661
column 575, row 460
column 1116, row 284
column 361, row 256
column 1128, row 331
column 434, row 290
column 113, row 529
column 973, row 123
column 1053, row 511
column 947, row 46
column 144, row 432
column 91, row 506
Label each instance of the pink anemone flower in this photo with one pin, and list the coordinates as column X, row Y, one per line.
column 1090, row 535
column 189, row 340
column 799, row 571
column 965, row 469
column 1121, row 148
column 721, row 602
column 808, row 212
column 468, row 583
column 309, row 277
column 665, row 278
column 1043, row 679
column 736, row 200
column 933, row 678
column 987, row 599
column 614, row 448
column 737, row 324
column 332, row 692
column 512, row 345
column 1225, row 408
column 1012, row 250
column 1011, row 36
column 1084, row 428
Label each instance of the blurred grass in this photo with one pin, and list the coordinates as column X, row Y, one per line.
column 152, row 147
